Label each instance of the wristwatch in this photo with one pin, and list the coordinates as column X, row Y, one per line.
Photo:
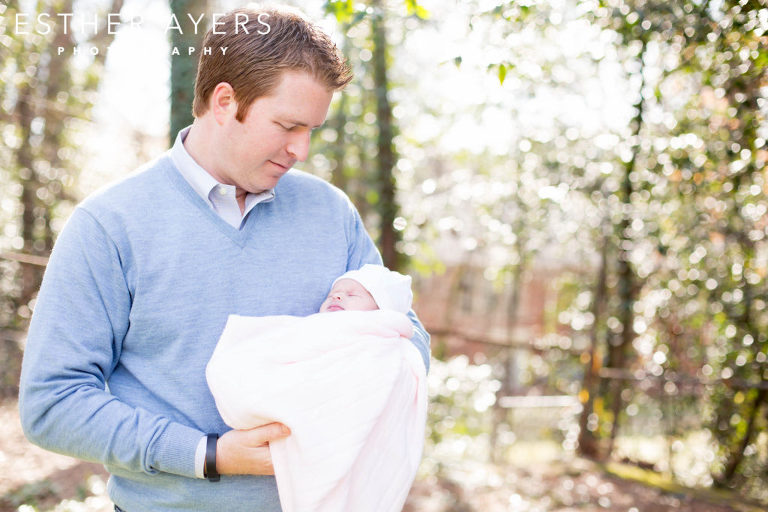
column 209, row 469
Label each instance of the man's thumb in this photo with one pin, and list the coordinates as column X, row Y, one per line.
column 273, row 431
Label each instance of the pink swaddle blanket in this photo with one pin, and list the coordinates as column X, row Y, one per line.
column 352, row 389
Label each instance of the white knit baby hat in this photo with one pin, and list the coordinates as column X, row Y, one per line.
column 391, row 290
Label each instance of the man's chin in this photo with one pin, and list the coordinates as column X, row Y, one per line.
column 266, row 183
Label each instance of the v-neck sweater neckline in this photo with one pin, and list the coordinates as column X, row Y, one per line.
column 239, row 236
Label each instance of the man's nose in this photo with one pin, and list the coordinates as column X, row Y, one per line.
column 298, row 146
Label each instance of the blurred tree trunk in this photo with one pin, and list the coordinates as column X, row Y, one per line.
column 41, row 113
column 385, row 161
column 55, row 107
column 11, row 356
column 45, row 99
column 736, row 455
column 745, row 92
column 509, row 371
column 38, row 196
column 184, row 65
column 337, row 124
column 509, row 383
column 364, row 157
column 751, row 411
column 30, row 274
column 627, row 288
column 588, row 443
column 338, row 174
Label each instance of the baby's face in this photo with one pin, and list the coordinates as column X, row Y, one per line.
column 348, row 295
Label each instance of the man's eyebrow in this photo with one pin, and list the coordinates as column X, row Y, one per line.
column 300, row 123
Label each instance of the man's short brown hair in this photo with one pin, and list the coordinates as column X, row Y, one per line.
column 259, row 50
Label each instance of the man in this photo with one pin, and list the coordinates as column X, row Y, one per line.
column 145, row 273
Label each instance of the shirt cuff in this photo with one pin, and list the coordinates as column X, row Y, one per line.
column 200, row 457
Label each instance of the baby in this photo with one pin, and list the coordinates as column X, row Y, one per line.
column 351, row 387
column 372, row 287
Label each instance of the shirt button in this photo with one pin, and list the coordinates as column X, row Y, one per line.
column 222, row 190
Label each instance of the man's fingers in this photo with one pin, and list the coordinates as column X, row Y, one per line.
column 246, row 452
column 269, row 432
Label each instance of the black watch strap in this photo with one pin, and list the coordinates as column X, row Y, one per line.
column 209, row 470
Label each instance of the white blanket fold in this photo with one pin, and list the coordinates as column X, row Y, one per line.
column 352, row 389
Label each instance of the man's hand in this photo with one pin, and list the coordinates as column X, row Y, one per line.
column 246, row 452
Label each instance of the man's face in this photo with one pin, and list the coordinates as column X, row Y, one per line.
column 255, row 153
column 348, row 295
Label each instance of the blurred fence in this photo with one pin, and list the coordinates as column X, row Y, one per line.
column 30, row 259
column 665, row 422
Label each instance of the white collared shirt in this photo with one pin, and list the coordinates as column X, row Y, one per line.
column 219, row 196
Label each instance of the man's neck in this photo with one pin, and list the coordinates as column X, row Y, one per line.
column 198, row 147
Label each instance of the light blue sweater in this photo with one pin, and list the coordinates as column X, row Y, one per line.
column 135, row 296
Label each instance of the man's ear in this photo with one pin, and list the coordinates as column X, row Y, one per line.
column 222, row 102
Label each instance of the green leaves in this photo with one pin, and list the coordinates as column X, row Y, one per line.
column 347, row 12
column 501, row 69
column 502, row 73
column 415, row 9
column 343, row 10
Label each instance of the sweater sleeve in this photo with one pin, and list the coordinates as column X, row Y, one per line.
column 74, row 342
column 420, row 338
column 362, row 250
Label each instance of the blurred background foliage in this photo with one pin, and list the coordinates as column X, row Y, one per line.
column 617, row 147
